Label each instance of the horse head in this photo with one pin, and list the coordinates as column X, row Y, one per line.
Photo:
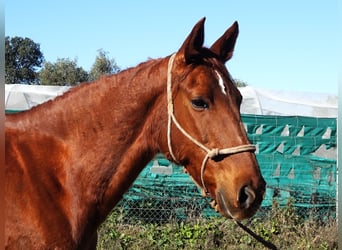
column 205, row 133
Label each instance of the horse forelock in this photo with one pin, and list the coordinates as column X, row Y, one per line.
column 211, row 60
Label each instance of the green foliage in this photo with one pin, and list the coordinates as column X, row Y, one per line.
column 23, row 58
column 66, row 72
column 240, row 83
column 63, row 72
column 280, row 225
column 102, row 66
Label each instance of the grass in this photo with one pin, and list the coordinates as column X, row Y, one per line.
column 281, row 226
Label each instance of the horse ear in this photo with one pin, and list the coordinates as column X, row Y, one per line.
column 192, row 45
column 224, row 46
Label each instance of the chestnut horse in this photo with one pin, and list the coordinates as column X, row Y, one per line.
column 69, row 161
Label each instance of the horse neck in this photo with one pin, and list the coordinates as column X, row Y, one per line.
column 125, row 125
column 112, row 128
column 113, row 107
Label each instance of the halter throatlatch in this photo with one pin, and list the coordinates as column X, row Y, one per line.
column 210, row 153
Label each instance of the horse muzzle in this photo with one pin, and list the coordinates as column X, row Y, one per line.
column 245, row 204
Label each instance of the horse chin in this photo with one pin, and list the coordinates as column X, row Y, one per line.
column 229, row 210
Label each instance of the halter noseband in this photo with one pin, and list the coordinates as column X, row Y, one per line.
column 210, row 153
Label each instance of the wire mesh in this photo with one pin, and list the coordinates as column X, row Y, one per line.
column 297, row 157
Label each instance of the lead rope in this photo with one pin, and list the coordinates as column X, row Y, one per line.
column 210, row 153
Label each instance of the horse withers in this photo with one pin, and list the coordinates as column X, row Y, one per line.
column 69, row 161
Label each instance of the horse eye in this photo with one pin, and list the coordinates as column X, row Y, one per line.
column 199, row 104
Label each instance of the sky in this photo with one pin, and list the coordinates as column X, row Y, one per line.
column 282, row 45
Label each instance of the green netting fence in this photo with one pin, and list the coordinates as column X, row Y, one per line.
column 297, row 157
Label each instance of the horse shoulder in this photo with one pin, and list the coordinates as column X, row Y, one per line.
column 34, row 189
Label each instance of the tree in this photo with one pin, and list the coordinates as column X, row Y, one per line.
column 240, row 83
column 102, row 65
column 23, row 58
column 63, row 72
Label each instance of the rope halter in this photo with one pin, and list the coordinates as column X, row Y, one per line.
column 210, row 153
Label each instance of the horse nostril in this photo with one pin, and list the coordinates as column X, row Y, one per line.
column 246, row 197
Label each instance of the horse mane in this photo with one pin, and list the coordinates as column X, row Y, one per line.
column 110, row 79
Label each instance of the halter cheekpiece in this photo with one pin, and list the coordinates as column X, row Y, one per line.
column 210, row 153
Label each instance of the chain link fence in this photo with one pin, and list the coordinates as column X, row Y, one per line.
column 297, row 157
